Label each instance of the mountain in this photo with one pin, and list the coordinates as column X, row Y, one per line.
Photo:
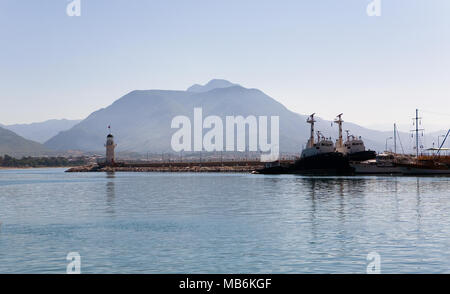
column 16, row 146
column 211, row 85
column 42, row 131
column 141, row 120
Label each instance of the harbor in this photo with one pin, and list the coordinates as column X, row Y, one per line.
column 222, row 146
column 321, row 156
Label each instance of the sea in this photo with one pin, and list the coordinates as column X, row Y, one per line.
column 222, row 223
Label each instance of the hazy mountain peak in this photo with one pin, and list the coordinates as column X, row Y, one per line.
column 211, row 85
column 15, row 145
column 42, row 131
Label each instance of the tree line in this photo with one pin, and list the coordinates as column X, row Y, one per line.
column 8, row 161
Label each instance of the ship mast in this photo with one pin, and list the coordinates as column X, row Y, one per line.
column 311, row 121
column 339, row 121
column 319, row 135
column 417, row 131
column 395, row 138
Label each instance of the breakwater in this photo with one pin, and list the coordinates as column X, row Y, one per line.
column 244, row 166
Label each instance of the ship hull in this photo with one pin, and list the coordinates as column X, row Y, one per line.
column 368, row 169
column 332, row 163
column 402, row 169
column 362, row 155
column 423, row 170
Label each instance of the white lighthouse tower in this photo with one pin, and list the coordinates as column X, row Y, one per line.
column 110, row 146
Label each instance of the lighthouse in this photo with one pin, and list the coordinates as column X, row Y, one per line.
column 110, row 149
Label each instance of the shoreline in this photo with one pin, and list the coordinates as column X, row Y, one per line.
column 31, row 167
column 242, row 166
column 194, row 169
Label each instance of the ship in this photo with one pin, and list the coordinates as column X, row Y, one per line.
column 424, row 167
column 393, row 163
column 390, row 163
column 319, row 157
column 384, row 163
column 353, row 148
column 427, row 165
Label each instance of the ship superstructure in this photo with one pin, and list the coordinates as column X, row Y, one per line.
column 353, row 147
column 321, row 146
column 319, row 157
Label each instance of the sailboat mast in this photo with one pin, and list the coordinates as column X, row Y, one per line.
column 395, row 138
column 416, row 119
column 443, row 142
column 417, row 132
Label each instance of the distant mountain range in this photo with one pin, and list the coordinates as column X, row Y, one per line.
column 17, row 146
column 141, row 122
column 141, row 119
column 42, row 131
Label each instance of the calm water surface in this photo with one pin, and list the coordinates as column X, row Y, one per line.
column 221, row 223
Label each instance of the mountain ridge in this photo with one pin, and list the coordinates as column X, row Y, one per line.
column 141, row 120
column 41, row 131
column 211, row 85
column 14, row 145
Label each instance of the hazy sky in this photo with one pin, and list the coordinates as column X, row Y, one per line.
column 322, row 56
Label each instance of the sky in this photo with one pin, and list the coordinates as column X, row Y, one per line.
column 322, row 56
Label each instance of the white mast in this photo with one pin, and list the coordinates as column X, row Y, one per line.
column 339, row 121
column 311, row 121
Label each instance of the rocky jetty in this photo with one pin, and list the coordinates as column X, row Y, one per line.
column 169, row 168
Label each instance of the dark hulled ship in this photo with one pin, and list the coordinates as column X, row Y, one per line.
column 319, row 157
column 353, row 148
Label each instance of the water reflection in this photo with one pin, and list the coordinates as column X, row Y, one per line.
column 327, row 188
column 110, row 192
column 333, row 196
column 418, row 205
